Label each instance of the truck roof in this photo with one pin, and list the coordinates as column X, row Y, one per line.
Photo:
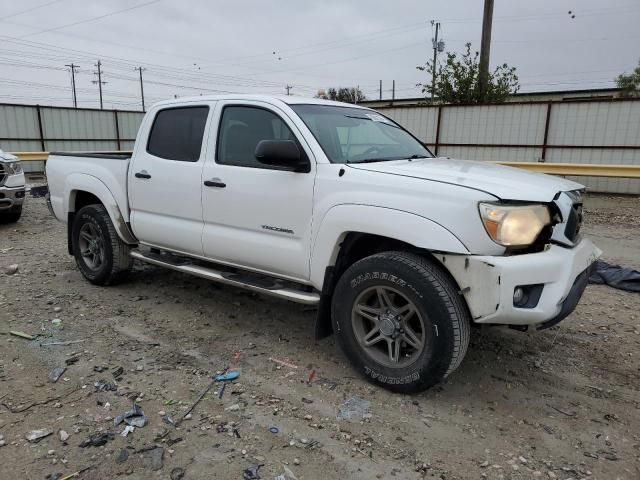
column 287, row 99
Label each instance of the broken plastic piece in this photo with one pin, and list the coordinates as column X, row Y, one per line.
column 134, row 417
column 228, row 376
column 103, row 385
column 282, row 362
column 274, row 429
column 37, row 435
column 56, row 373
column 251, row 473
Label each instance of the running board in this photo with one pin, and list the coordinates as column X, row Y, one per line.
column 299, row 296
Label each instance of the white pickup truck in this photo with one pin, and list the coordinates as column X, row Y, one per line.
column 338, row 206
column 12, row 188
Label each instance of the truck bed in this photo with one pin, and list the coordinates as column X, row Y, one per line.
column 67, row 171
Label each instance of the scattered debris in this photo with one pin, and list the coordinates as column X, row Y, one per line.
column 40, row 191
column 97, row 440
column 312, row 377
column 56, row 373
column 64, row 436
column 251, row 473
column 134, row 417
column 75, row 474
column 22, row 335
column 11, row 269
column 117, row 372
column 564, row 412
column 72, row 360
column 69, row 342
column 274, row 429
column 355, row 406
column 37, row 435
column 103, row 385
column 227, row 376
column 57, row 324
column 282, row 363
column 221, row 393
column 127, row 430
column 177, row 473
column 122, row 456
column 194, row 404
column 154, row 458
column 287, row 475
column 31, row 405
column 623, row 278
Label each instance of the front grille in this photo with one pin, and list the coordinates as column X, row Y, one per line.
column 574, row 223
column 3, row 174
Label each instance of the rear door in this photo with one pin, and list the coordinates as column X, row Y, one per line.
column 255, row 215
column 165, row 179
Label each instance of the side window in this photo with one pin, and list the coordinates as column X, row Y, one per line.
column 241, row 128
column 177, row 133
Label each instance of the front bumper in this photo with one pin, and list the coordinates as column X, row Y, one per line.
column 488, row 283
column 11, row 196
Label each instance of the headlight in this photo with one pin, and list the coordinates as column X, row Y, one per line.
column 13, row 168
column 514, row 225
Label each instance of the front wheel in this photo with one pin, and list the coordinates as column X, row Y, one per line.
column 11, row 215
column 102, row 257
column 400, row 321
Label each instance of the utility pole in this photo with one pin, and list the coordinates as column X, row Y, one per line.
column 485, row 49
column 140, row 69
column 380, row 89
column 288, row 88
column 393, row 91
column 73, row 67
column 99, row 81
column 435, row 57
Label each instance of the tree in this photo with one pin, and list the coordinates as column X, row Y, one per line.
column 629, row 83
column 457, row 80
column 349, row 95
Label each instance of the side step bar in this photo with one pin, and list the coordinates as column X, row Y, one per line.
column 299, row 296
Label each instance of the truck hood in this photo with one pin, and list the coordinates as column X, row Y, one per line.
column 505, row 183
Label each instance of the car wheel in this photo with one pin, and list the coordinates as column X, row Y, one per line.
column 102, row 257
column 11, row 215
column 400, row 320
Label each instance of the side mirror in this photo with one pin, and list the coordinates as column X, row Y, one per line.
column 281, row 153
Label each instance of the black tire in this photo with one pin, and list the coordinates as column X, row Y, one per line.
column 114, row 262
column 438, row 309
column 12, row 215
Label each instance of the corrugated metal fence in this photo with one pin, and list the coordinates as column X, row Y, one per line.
column 590, row 131
column 30, row 128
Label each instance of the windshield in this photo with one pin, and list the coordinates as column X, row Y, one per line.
column 355, row 135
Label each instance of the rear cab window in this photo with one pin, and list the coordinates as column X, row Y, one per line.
column 177, row 133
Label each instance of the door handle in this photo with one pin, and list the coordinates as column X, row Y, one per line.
column 215, row 183
column 142, row 174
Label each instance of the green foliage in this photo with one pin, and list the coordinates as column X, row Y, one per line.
column 457, row 80
column 630, row 83
column 348, row 95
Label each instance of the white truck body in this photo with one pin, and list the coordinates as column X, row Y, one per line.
column 291, row 225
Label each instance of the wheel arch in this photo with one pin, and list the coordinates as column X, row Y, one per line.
column 337, row 247
column 83, row 190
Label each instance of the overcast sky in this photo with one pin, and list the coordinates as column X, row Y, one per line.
column 190, row 47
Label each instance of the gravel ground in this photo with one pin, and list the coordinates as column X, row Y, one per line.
column 563, row 403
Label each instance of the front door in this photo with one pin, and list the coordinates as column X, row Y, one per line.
column 165, row 180
column 255, row 215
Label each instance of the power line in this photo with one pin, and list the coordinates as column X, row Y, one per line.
column 30, row 9
column 92, row 19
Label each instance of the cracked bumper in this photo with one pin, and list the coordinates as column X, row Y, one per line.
column 488, row 283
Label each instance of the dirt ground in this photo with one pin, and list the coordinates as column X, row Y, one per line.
column 563, row 403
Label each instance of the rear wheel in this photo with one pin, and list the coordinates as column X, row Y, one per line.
column 11, row 215
column 102, row 257
column 400, row 321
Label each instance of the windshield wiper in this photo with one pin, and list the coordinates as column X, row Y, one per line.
column 418, row 155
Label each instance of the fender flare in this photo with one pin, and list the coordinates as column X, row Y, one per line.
column 82, row 182
column 410, row 228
